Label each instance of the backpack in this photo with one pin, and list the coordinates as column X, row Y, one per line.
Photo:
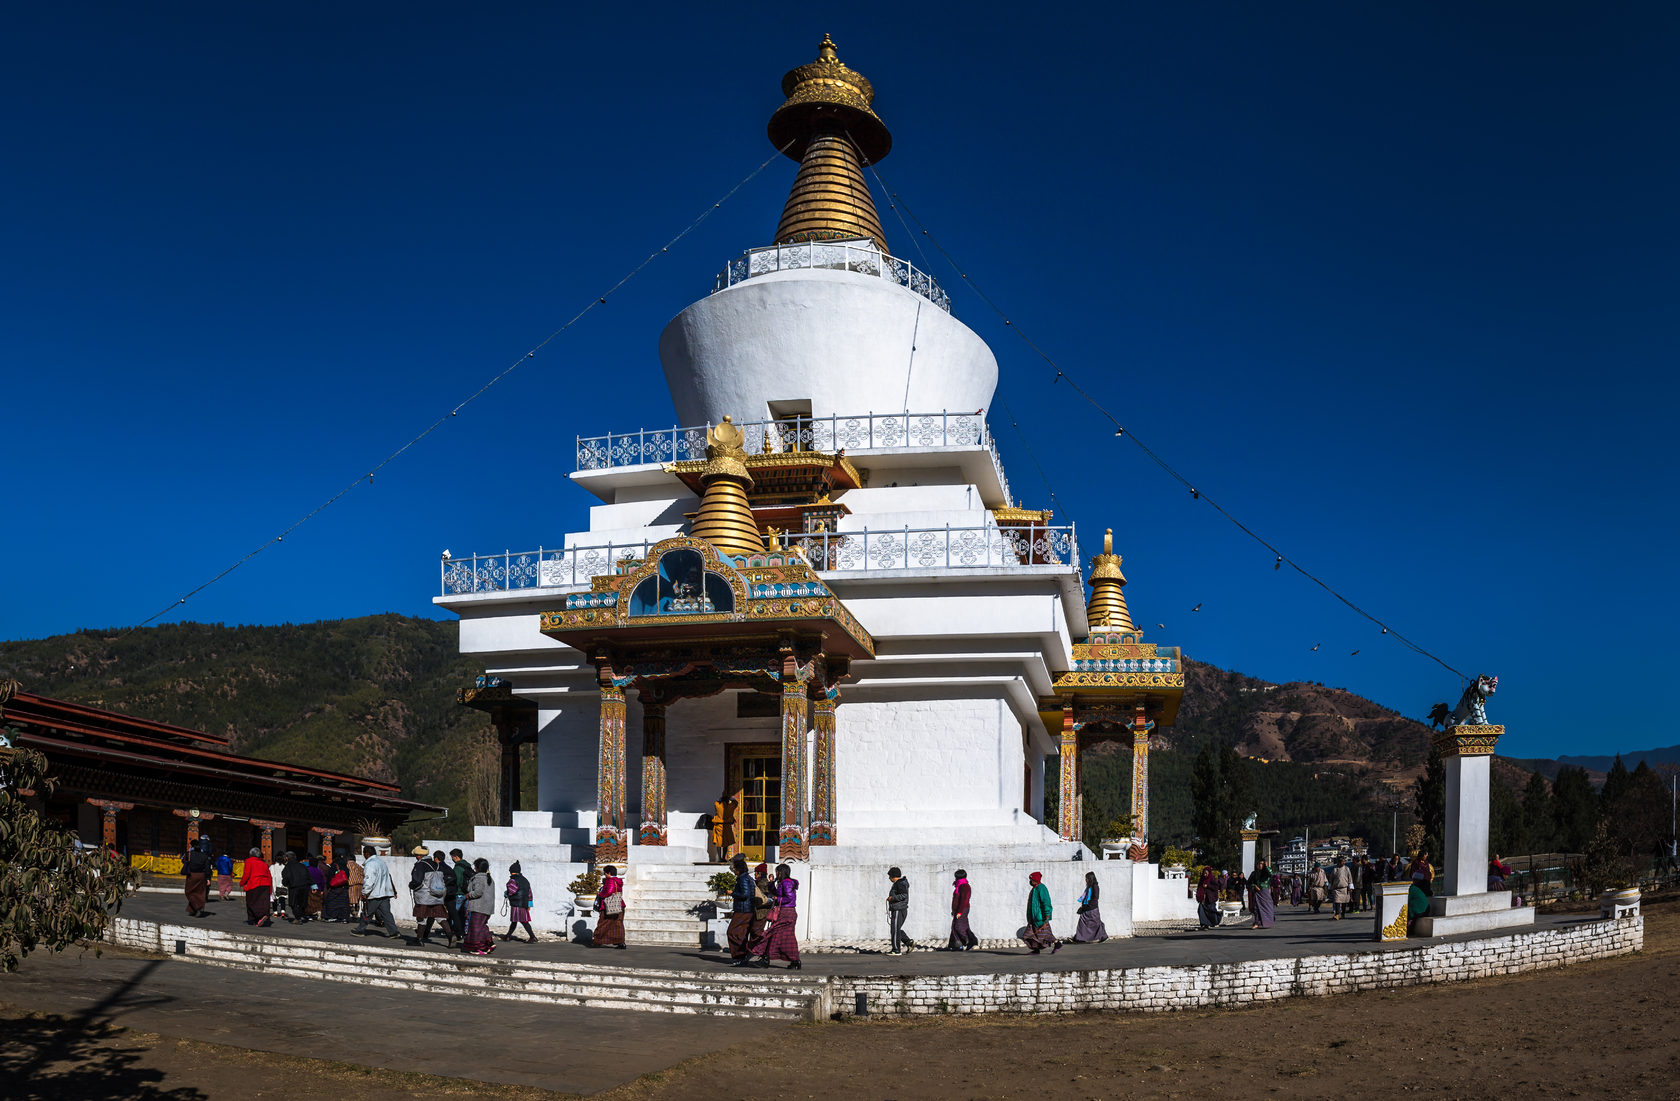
column 434, row 883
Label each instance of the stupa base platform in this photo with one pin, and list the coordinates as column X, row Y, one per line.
column 1450, row 915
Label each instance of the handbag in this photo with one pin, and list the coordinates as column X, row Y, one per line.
column 613, row 905
column 339, row 879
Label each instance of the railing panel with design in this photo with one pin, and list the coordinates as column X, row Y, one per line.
column 858, row 432
column 906, row 549
column 807, row 255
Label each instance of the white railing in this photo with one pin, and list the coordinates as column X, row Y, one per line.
column 827, row 256
column 857, row 432
column 908, row 549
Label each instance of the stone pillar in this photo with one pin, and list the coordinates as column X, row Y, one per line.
column 823, row 816
column 110, row 809
column 652, row 831
column 1392, row 909
column 1250, row 846
column 1467, row 751
column 611, row 840
column 1067, row 788
column 1140, row 727
column 193, row 817
column 268, row 829
column 792, row 844
column 326, row 840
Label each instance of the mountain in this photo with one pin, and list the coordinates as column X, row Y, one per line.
column 1669, row 755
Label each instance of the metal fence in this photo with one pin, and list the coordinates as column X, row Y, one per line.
column 909, row 549
column 808, row 255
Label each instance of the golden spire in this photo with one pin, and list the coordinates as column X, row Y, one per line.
column 1107, row 609
column 725, row 520
column 828, row 127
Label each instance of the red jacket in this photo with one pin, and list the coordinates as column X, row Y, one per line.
column 255, row 874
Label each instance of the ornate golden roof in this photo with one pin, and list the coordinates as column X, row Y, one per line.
column 827, row 125
column 725, row 519
column 1107, row 608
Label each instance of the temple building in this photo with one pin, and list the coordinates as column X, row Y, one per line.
column 816, row 619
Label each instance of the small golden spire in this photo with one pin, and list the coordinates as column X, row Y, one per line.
column 725, row 520
column 1107, row 608
column 828, row 126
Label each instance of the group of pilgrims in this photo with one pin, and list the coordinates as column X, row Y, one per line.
column 1348, row 886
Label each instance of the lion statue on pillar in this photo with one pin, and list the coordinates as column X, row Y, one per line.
column 1472, row 706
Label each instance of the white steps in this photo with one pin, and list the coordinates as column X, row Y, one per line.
column 667, row 904
column 595, row 984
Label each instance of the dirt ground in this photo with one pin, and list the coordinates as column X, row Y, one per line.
column 1606, row 1028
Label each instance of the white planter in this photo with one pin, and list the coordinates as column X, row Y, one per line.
column 1622, row 902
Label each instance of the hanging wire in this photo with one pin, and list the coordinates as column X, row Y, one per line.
column 598, row 300
column 897, row 203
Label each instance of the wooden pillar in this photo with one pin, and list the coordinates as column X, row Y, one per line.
column 823, row 815
column 1140, row 727
column 1067, row 788
column 792, row 843
column 507, row 736
column 611, row 841
column 268, row 829
column 326, row 840
column 193, row 817
column 652, row 831
column 110, row 809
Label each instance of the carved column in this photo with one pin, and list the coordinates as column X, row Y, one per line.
column 1140, row 726
column 823, row 817
column 611, row 841
column 110, row 809
column 193, row 817
column 268, row 829
column 792, row 841
column 652, row 831
column 1467, row 752
column 1067, row 789
column 326, row 840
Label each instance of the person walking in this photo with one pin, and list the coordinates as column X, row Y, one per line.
column 224, row 876
column 295, row 878
column 1318, row 888
column 430, row 883
column 742, row 906
column 764, row 900
column 358, row 875
column 1039, row 911
column 1207, row 900
column 377, row 893
column 258, row 884
column 609, row 903
column 277, row 876
column 1091, row 929
column 1295, row 890
column 1367, row 883
column 335, row 900
column 479, row 904
column 316, row 901
column 1341, row 889
column 518, row 895
column 781, row 941
column 196, row 865
column 898, row 908
column 461, row 873
column 1421, row 873
column 962, row 938
column 1260, row 901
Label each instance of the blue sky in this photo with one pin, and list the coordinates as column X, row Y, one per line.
column 1396, row 287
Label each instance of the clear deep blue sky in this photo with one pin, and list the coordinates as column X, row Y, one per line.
column 1395, row 287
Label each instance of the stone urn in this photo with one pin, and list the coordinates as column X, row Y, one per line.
column 583, row 903
column 380, row 845
column 1619, row 902
column 1113, row 848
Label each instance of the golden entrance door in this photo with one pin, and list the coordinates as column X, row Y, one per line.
column 755, row 778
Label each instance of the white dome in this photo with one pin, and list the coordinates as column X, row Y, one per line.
column 825, row 343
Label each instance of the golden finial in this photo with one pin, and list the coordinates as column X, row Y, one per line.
column 725, row 519
column 829, row 127
column 1107, row 608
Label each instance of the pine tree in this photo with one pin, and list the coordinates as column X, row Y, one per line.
column 1430, row 801
column 1539, row 817
column 1576, row 808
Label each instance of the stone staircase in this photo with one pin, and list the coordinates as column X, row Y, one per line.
column 730, row 993
column 667, row 904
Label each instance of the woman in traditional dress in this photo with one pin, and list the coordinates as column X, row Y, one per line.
column 1421, row 873
column 1091, row 930
column 357, row 875
column 781, row 942
column 518, row 894
column 764, row 900
column 1039, row 911
column 335, row 900
column 258, row 885
column 224, row 875
column 962, row 937
column 609, row 927
column 1295, row 890
column 1260, row 901
column 1318, row 887
column 1207, row 899
column 1417, row 904
column 481, row 903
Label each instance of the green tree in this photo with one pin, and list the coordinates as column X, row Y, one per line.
column 1576, row 807
column 51, row 893
column 1539, row 819
column 1506, row 832
column 1615, row 787
column 1430, row 804
column 1206, row 796
column 1638, row 819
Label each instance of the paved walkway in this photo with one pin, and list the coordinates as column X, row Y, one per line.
column 566, row 1049
column 1298, row 932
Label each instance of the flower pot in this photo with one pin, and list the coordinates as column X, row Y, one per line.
column 584, row 902
column 1619, row 902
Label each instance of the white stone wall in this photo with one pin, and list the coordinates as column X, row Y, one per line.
column 1158, row 989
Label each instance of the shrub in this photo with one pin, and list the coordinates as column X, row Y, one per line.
column 722, row 883
column 587, row 883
